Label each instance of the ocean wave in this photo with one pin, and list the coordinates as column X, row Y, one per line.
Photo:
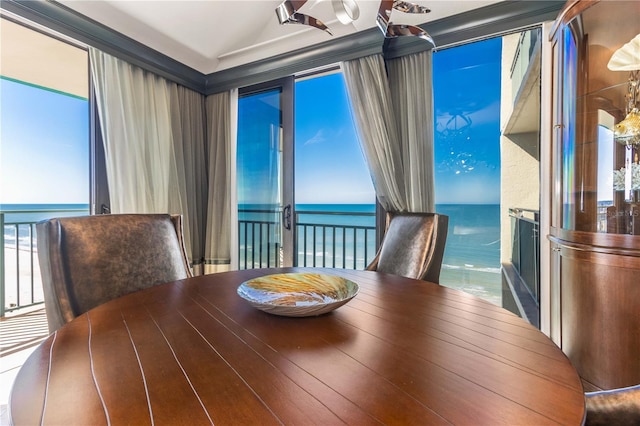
column 471, row 230
column 473, row 268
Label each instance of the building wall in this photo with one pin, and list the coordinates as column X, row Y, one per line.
column 519, row 153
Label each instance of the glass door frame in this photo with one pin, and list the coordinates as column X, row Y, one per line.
column 286, row 86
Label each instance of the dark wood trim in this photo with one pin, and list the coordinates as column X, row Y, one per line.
column 509, row 15
column 597, row 241
column 571, row 9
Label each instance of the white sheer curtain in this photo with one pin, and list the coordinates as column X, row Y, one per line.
column 394, row 117
column 221, row 236
column 412, row 98
column 145, row 157
column 368, row 88
column 188, row 127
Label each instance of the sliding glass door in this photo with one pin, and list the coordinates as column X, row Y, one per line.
column 265, row 175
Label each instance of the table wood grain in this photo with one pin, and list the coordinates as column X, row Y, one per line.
column 401, row 352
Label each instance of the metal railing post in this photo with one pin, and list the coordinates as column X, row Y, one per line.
column 308, row 237
column 32, row 261
column 2, row 266
column 526, row 248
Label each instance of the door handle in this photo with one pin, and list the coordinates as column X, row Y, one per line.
column 286, row 217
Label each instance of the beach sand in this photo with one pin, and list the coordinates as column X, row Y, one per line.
column 24, row 264
column 484, row 284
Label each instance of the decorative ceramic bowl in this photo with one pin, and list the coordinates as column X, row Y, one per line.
column 298, row 294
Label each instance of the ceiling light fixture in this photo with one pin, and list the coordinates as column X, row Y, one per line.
column 627, row 58
column 627, row 132
column 348, row 11
column 391, row 30
column 288, row 14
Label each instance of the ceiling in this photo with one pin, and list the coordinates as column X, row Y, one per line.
column 214, row 35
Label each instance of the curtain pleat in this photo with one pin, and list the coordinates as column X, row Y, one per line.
column 221, row 234
column 412, row 99
column 188, row 126
column 153, row 135
column 368, row 90
column 393, row 111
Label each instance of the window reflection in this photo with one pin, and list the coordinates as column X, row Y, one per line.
column 605, row 173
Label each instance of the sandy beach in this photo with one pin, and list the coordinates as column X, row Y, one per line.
column 486, row 285
column 20, row 270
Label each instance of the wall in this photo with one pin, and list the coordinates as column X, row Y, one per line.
column 519, row 144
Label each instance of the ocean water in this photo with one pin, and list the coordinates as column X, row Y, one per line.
column 472, row 255
column 18, row 216
column 347, row 239
column 37, row 212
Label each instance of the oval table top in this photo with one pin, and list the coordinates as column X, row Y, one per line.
column 401, row 352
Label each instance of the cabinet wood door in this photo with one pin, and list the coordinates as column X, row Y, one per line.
column 595, row 259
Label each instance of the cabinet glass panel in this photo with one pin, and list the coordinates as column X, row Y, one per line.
column 600, row 140
column 568, row 132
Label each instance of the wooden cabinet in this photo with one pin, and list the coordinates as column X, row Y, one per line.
column 595, row 218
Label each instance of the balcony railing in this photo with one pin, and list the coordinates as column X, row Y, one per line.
column 525, row 255
column 324, row 239
column 348, row 246
column 259, row 239
column 20, row 282
column 521, row 59
column 521, row 276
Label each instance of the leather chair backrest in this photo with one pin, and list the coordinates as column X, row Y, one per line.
column 413, row 246
column 87, row 261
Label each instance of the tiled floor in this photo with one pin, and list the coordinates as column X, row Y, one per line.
column 19, row 336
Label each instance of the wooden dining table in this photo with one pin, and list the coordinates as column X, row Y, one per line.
column 402, row 351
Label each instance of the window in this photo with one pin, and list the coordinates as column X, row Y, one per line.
column 467, row 92
column 335, row 199
column 331, row 221
column 44, row 148
column 45, row 120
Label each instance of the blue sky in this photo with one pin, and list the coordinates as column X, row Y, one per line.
column 467, row 90
column 44, row 149
column 329, row 166
column 329, row 163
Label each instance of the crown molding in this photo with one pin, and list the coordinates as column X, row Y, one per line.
column 367, row 42
column 504, row 16
column 498, row 18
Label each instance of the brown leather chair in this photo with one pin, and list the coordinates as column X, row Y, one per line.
column 620, row 407
column 413, row 246
column 87, row 261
